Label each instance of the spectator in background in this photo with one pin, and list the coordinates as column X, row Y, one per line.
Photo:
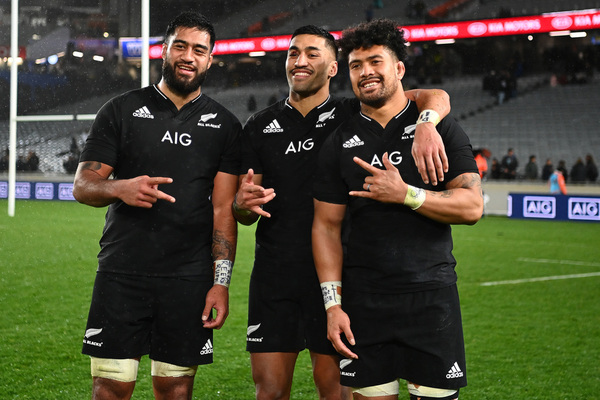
column 557, row 183
column 562, row 167
column 509, row 164
column 531, row 169
column 496, row 173
column 4, row 160
column 481, row 158
column 547, row 170
column 578, row 171
column 32, row 162
column 591, row 170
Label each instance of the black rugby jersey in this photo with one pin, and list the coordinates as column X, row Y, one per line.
column 142, row 133
column 391, row 248
column 282, row 145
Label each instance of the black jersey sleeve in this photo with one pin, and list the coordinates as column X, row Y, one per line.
column 102, row 143
column 329, row 185
column 231, row 157
column 458, row 148
column 250, row 156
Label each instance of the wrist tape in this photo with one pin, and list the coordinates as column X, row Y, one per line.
column 332, row 293
column 223, row 270
column 239, row 211
column 415, row 197
column 428, row 116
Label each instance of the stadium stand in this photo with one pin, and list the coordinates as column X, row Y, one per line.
column 550, row 121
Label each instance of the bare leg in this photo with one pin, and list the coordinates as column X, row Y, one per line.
column 272, row 374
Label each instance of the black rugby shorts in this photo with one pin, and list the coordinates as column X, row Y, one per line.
column 286, row 314
column 416, row 336
column 131, row 316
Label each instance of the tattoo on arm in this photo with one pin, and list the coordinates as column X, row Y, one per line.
column 91, row 165
column 222, row 248
column 464, row 181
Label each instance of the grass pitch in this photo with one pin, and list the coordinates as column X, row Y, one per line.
column 530, row 294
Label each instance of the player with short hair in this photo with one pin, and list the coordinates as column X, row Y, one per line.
column 280, row 147
column 169, row 241
column 400, row 315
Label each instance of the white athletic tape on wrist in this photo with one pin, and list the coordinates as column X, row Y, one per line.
column 122, row 370
column 428, row 116
column 223, row 270
column 415, row 197
column 332, row 295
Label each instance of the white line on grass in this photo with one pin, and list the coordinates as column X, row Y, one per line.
column 543, row 278
column 567, row 262
column 548, row 278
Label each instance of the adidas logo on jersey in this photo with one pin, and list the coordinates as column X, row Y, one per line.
column 454, row 372
column 207, row 349
column 143, row 113
column 353, row 142
column 273, row 127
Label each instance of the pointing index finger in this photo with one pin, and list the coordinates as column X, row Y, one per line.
column 365, row 165
column 159, row 180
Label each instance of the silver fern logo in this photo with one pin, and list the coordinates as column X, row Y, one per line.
column 92, row 332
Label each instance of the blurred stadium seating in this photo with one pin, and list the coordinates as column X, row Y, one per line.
column 550, row 121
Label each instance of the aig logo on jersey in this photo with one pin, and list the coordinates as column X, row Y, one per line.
column 585, row 209
column 395, row 158
column 183, row 139
column 207, row 117
column 539, row 207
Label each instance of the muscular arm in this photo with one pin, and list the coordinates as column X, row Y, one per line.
column 223, row 246
column 224, row 225
column 93, row 187
column 326, row 240
column 437, row 100
column 460, row 203
column 428, row 149
column 328, row 256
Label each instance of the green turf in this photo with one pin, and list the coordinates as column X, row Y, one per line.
column 530, row 340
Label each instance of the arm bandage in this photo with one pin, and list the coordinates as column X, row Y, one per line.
column 428, row 116
column 223, row 270
column 332, row 293
column 415, row 197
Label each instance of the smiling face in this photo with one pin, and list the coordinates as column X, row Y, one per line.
column 186, row 59
column 309, row 65
column 375, row 74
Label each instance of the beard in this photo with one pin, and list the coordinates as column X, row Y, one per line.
column 379, row 99
column 181, row 86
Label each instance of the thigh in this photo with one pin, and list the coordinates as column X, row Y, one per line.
column 413, row 336
column 119, row 320
column 178, row 335
column 273, row 373
column 275, row 322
